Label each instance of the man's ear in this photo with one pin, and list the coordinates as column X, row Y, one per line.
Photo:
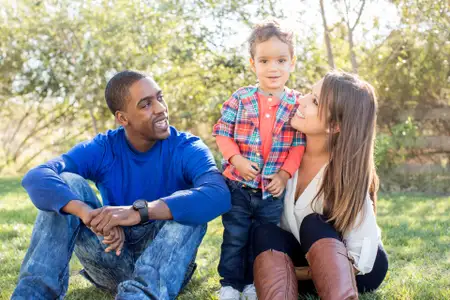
column 121, row 118
column 293, row 61
column 252, row 64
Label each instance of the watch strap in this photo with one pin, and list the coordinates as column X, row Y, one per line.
column 143, row 212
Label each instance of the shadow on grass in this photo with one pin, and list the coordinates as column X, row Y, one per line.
column 10, row 185
column 25, row 216
column 401, row 204
column 88, row 293
column 6, row 235
column 419, row 221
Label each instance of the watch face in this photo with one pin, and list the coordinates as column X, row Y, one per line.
column 138, row 204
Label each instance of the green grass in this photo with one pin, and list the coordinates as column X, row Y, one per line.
column 416, row 235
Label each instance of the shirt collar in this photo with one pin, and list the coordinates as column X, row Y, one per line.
column 269, row 100
column 279, row 95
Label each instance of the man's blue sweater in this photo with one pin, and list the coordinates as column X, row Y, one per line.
column 179, row 170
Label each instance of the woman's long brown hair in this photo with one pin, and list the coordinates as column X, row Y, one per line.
column 349, row 106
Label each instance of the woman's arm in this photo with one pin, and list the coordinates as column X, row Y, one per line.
column 362, row 241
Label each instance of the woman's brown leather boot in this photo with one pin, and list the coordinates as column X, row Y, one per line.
column 331, row 270
column 274, row 276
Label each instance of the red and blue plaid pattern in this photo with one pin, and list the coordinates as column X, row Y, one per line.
column 240, row 121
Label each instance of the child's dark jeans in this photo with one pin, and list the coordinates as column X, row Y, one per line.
column 248, row 210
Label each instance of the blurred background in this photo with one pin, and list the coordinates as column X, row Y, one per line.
column 56, row 57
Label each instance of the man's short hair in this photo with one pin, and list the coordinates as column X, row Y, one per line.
column 118, row 88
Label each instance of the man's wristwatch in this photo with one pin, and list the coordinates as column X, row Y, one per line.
column 142, row 207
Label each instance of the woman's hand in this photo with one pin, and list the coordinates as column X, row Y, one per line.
column 246, row 168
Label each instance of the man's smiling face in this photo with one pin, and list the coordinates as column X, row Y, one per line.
column 146, row 111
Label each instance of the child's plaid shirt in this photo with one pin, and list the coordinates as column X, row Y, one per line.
column 240, row 121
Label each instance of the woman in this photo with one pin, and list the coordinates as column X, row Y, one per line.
column 328, row 230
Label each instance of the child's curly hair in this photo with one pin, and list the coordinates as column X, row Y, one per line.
column 268, row 29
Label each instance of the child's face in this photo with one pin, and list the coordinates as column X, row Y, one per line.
column 272, row 64
column 307, row 118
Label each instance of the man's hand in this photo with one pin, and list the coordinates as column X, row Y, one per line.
column 246, row 168
column 278, row 183
column 115, row 240
column 107, row 217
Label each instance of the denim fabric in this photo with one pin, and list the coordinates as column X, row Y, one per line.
column 248, row 211
column 156, row 262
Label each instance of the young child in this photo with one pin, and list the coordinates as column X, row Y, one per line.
column 261, row 151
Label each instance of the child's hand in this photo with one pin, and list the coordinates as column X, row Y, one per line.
column 246, row 168
column 115, row 239
column 278, row 183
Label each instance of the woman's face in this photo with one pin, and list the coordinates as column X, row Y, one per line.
column 307, row 119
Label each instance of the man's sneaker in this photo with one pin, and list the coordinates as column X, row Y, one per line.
column 249, row 293
column 228, row 293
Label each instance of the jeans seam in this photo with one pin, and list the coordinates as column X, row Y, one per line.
column 71, row 246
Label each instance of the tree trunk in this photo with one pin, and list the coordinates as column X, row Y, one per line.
column 327, row 36
column 351, row 29
column 352, row 52
column 94, row 121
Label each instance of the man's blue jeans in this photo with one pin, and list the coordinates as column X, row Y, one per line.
column 248, row 210
column 156, row 262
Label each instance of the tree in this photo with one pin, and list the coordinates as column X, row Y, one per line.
column 57, row 57
column 351, row 29
column 327, row 36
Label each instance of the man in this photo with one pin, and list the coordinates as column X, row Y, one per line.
column 159, row 189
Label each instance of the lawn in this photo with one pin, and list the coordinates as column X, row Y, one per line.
column 416, row 235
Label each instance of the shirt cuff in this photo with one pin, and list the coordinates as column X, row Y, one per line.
column 227, row 146
column 293, row 160
column 362, row 260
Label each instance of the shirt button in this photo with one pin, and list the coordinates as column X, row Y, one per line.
column 257, row 154
column 270, row 99
column 267, row 115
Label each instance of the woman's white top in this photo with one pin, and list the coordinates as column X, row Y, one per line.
column 361, row 241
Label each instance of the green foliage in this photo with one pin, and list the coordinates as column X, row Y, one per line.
column 56, row 57
column 410, row 67
column 394, row 148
